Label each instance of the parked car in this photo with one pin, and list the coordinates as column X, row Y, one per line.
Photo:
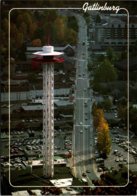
column 100, row 169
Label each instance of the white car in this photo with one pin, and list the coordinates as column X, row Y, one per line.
column 117, row 159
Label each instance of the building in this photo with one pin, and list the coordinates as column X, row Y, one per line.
column 112, row 31
column 32, row 95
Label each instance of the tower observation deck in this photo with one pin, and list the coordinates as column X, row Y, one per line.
column 47, row 57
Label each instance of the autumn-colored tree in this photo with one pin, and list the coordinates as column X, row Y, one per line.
column 103, row 135
column 98, row 116
column 27, row 26
column 60, row 25
column 27, row 18
column 36, row 43
column 23, row 28
column 32, row 28
column 19, row 19
column 103, row 138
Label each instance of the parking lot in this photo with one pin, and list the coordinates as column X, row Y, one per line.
column 119, row 152
column 27, row 145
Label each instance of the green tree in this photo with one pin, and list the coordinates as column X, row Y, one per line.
column 72, row 36
column 72, row 23
column 98, row 19
column 133, row 49
column 104, row 73
column 94, row 108
column 32, row 78
column 122, row 113
column 12, row 66
column 111, row 55
column 106, row 104
column 133, row 119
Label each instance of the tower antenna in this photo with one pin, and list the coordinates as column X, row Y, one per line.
column 48, row 32
column 48, row 39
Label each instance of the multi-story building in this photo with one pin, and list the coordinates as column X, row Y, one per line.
column 112, row 31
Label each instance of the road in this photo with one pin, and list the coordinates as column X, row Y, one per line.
column 82, row 138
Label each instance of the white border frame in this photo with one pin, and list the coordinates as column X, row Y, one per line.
column 127, row 89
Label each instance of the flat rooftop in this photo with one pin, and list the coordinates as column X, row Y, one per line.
column 65, row 182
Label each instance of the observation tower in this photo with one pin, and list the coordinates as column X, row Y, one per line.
column 47, row 57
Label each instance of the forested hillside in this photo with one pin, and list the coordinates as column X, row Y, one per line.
column 36, row 28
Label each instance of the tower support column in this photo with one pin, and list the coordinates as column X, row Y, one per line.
column 48, row 119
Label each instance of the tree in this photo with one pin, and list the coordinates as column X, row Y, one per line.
column 5, row 25
column 104, row 142
column 36, row 43
column 19, row 19
column 23, row 28
column 72, row 23
column 106, row 104
column 32, row 78
column 97, row 116
column 98, row 19
column 39, row 33
column 32, row 28
column 111, row 55
column 133, row 119
column 27, row 18
column 122, row 113
column 13, row 30
column 12, row 66
column 60, row 26
column 103, row 135
column 19, row 39
column 133, row 49
column 72, row 36
column 103, row 139
column 104, row 73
